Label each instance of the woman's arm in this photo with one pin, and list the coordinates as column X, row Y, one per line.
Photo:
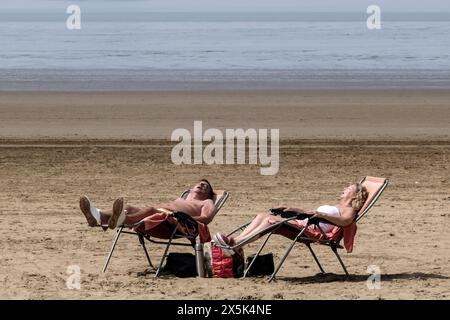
column 345, row 219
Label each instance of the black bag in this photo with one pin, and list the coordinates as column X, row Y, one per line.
column 238, row 263
column 181, row 265
column 263, row 265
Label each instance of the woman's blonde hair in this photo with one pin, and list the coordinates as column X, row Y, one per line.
column 360, row 197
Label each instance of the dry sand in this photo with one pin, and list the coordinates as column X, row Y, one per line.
column 43, row 231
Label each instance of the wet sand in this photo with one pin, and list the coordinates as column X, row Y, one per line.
column 299, row 114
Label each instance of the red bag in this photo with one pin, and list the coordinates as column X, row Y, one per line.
column 220, row 265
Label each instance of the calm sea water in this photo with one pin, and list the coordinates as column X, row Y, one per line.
column 157, row 51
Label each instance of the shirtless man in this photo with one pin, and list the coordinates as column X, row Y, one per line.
column 198, row 204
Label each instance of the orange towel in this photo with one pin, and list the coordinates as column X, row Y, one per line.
column 348, row 233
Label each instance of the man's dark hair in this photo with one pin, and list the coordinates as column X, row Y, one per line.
column 211, row 191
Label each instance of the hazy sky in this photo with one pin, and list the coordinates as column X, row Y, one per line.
column 235, row 5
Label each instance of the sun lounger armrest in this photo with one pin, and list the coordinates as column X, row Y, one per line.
column 184, row 218
column 289, row 214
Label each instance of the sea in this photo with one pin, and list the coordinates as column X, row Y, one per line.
column 222, row 50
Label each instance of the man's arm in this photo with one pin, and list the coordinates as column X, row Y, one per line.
column 208, row 212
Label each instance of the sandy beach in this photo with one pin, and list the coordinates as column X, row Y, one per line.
column 299, row 114
column 57, row 146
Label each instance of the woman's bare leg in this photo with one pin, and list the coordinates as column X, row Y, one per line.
column 264, row 222
column 252, row 226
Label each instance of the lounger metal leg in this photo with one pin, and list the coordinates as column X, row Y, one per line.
column 315, row 257
column 112, row 249
column 334, row 249
column 257, row 254
column 167, row 249
column 142, row 241
column 286, row 254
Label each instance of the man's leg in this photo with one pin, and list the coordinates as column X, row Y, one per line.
column 139, row 215
column 131, row 209
column 106, row 214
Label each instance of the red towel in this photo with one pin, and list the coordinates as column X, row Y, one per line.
column 153, row 225
column 349, row 236
column 349, row 233
column 204, row 233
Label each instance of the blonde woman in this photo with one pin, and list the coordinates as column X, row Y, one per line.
column 342, row 214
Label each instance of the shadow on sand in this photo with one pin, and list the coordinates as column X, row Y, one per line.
column 332, row 277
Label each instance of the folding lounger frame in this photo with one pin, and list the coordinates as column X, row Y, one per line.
column 182, row 219
column 333, row 244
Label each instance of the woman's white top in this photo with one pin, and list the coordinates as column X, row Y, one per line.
column 331, row 211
